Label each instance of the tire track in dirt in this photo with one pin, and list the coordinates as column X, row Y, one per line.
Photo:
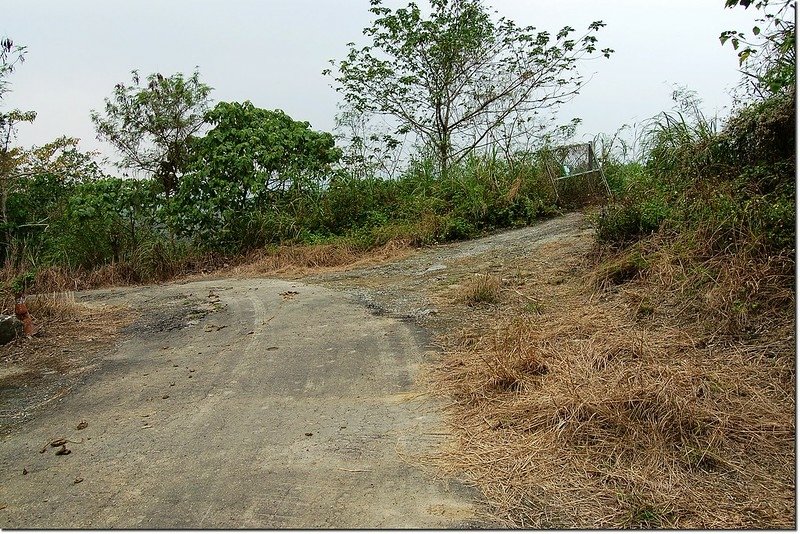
column 408, row 289
column 295, row 425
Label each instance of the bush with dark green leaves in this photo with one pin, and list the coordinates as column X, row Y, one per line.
column 247, row 174
column 736, row 186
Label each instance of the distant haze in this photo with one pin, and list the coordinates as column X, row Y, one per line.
column 272, row 53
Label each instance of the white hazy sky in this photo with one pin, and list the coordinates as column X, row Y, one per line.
column 272, row 52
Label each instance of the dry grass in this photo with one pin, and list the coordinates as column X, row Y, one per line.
column 69, row 333
column 54, row 308
column 294, row 260
column 612, row 410
column 60, row 279
column 301, row 260
column 47, row 309
column 481, row 289
column 741, row 293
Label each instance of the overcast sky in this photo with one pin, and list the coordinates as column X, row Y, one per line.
column 272, row 52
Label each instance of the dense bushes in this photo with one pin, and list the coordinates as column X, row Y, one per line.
column 95, row 221
column 252, row 169
column 736, row 187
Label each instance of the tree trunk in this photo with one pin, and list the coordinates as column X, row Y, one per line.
column 443, row 154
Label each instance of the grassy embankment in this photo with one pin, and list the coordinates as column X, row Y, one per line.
column 646, row 379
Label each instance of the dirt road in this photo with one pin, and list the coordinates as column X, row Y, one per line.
column 238, row 404
column 420, row 288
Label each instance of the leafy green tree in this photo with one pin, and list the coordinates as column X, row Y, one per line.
column 44, row 180
column 457, row 75
column 250, row 161
column 150, row 124
column 769, row 55
column 10, row 157
column 10, row 160
column 104, row 219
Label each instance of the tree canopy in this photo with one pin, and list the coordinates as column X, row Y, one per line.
column 150, row 123
column 250, row 159
column 457, row 75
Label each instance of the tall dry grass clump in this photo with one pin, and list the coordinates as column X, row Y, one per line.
column 47, row 309
column 585, row 417
column 304, row 259
column 54, row 308
column 481, row 289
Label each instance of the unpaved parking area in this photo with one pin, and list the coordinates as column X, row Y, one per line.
column 236, row 404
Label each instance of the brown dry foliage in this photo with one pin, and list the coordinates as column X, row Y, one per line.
column 286, row 259
column 481, row 289
column 54, row 308
column 307, row 259
column 45, row 308
column 626, row 404
column 60, row 279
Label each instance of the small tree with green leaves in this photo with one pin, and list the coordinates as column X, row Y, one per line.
column 457, row 75
column 768, row 57
column 44, row 180
column 250, row 164
column 150, row 124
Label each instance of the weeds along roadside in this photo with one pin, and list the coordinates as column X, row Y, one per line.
column 712, row 215
column 648, row 381
column 91, row 244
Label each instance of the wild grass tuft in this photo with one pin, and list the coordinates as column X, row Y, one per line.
column 481, row 289
column 54, row 307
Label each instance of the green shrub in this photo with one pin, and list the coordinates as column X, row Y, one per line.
column 623, row 223
column 734, row 188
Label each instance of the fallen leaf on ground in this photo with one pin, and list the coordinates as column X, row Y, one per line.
column 82, row 425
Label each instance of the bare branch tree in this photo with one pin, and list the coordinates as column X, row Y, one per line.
column 457, row 77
